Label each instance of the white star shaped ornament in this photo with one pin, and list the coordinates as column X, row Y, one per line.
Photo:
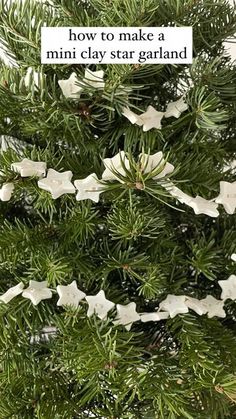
column 31, row 74
column 94, row 78
column 57, row 183
column 28, row 167
column 89, row 188
column 233, row 257
column 99, row 305
column 214, row 307
column 154, row 317
column 178, row 194
column 11, row 293
column 174, row 304
column 126, row 315
column 227, row 196
column 69, row 295
column 203, row 206
column 70, row 87
column 6, row 191
column 228, row 288
column 132, row 117
column 115, row 164
column 151, row 119
column 152, row 161
column 37, row 291
column 176, row 108
column 196, row 305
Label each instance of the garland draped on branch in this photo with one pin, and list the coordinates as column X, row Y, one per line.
column 126, row 315
column 127, row 172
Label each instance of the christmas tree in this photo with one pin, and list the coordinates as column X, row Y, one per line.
column 117, row 236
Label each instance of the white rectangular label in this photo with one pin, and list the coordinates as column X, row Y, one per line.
column 116, row 45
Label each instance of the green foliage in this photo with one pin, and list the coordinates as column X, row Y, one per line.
column 205, row 258
column 135, row 221
column 208, row 110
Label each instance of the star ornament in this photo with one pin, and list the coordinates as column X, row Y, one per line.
column 126, row 315
column 11, row 293
column 196, row 305
column 214, row 307
column 6, row 191
column 132, row 117
column 99, row 305
column 89, row 188
column 70, row 87
column 57, row 183
column 203, row 206
column 94, row 78
column 233, row 257
column 227, row 196
column 151, row 119
column 28, row 167
column 69, row 295
column 154, row 317
column 152, row 161
column 176, row 108
column 174, row 304
column 37, row 291
column 228, row 288
column 178, row 194
column 115, row 164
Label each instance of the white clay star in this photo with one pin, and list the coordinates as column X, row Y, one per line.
column 196, row 305
column 57, row 183
column 115, row 164
column 148, row 120
column 99, row 305
column 151, row 119
column 228, row 288
column 31, row 74
column 233, row 257
column 89, row 188
column 11, row 293
column 69, row 295
column 174, row 304
column 152, row 161
column 203, row 206
column 132, row 117
column 37, row 291
column 6, row 191
column 28, row 167
column 154, row 317
column 214, row 307
column 227, row 196
column 178, row 194
column 94, row 78
column 200, row 205
column 70, row 87
column 176, row 108
column 126, row 315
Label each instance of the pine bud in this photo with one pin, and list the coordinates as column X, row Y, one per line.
column 139, row 185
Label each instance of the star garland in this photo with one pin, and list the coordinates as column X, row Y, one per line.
column 119, row 168
column 152, row 118
column 126, row 315
column 73, row 87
